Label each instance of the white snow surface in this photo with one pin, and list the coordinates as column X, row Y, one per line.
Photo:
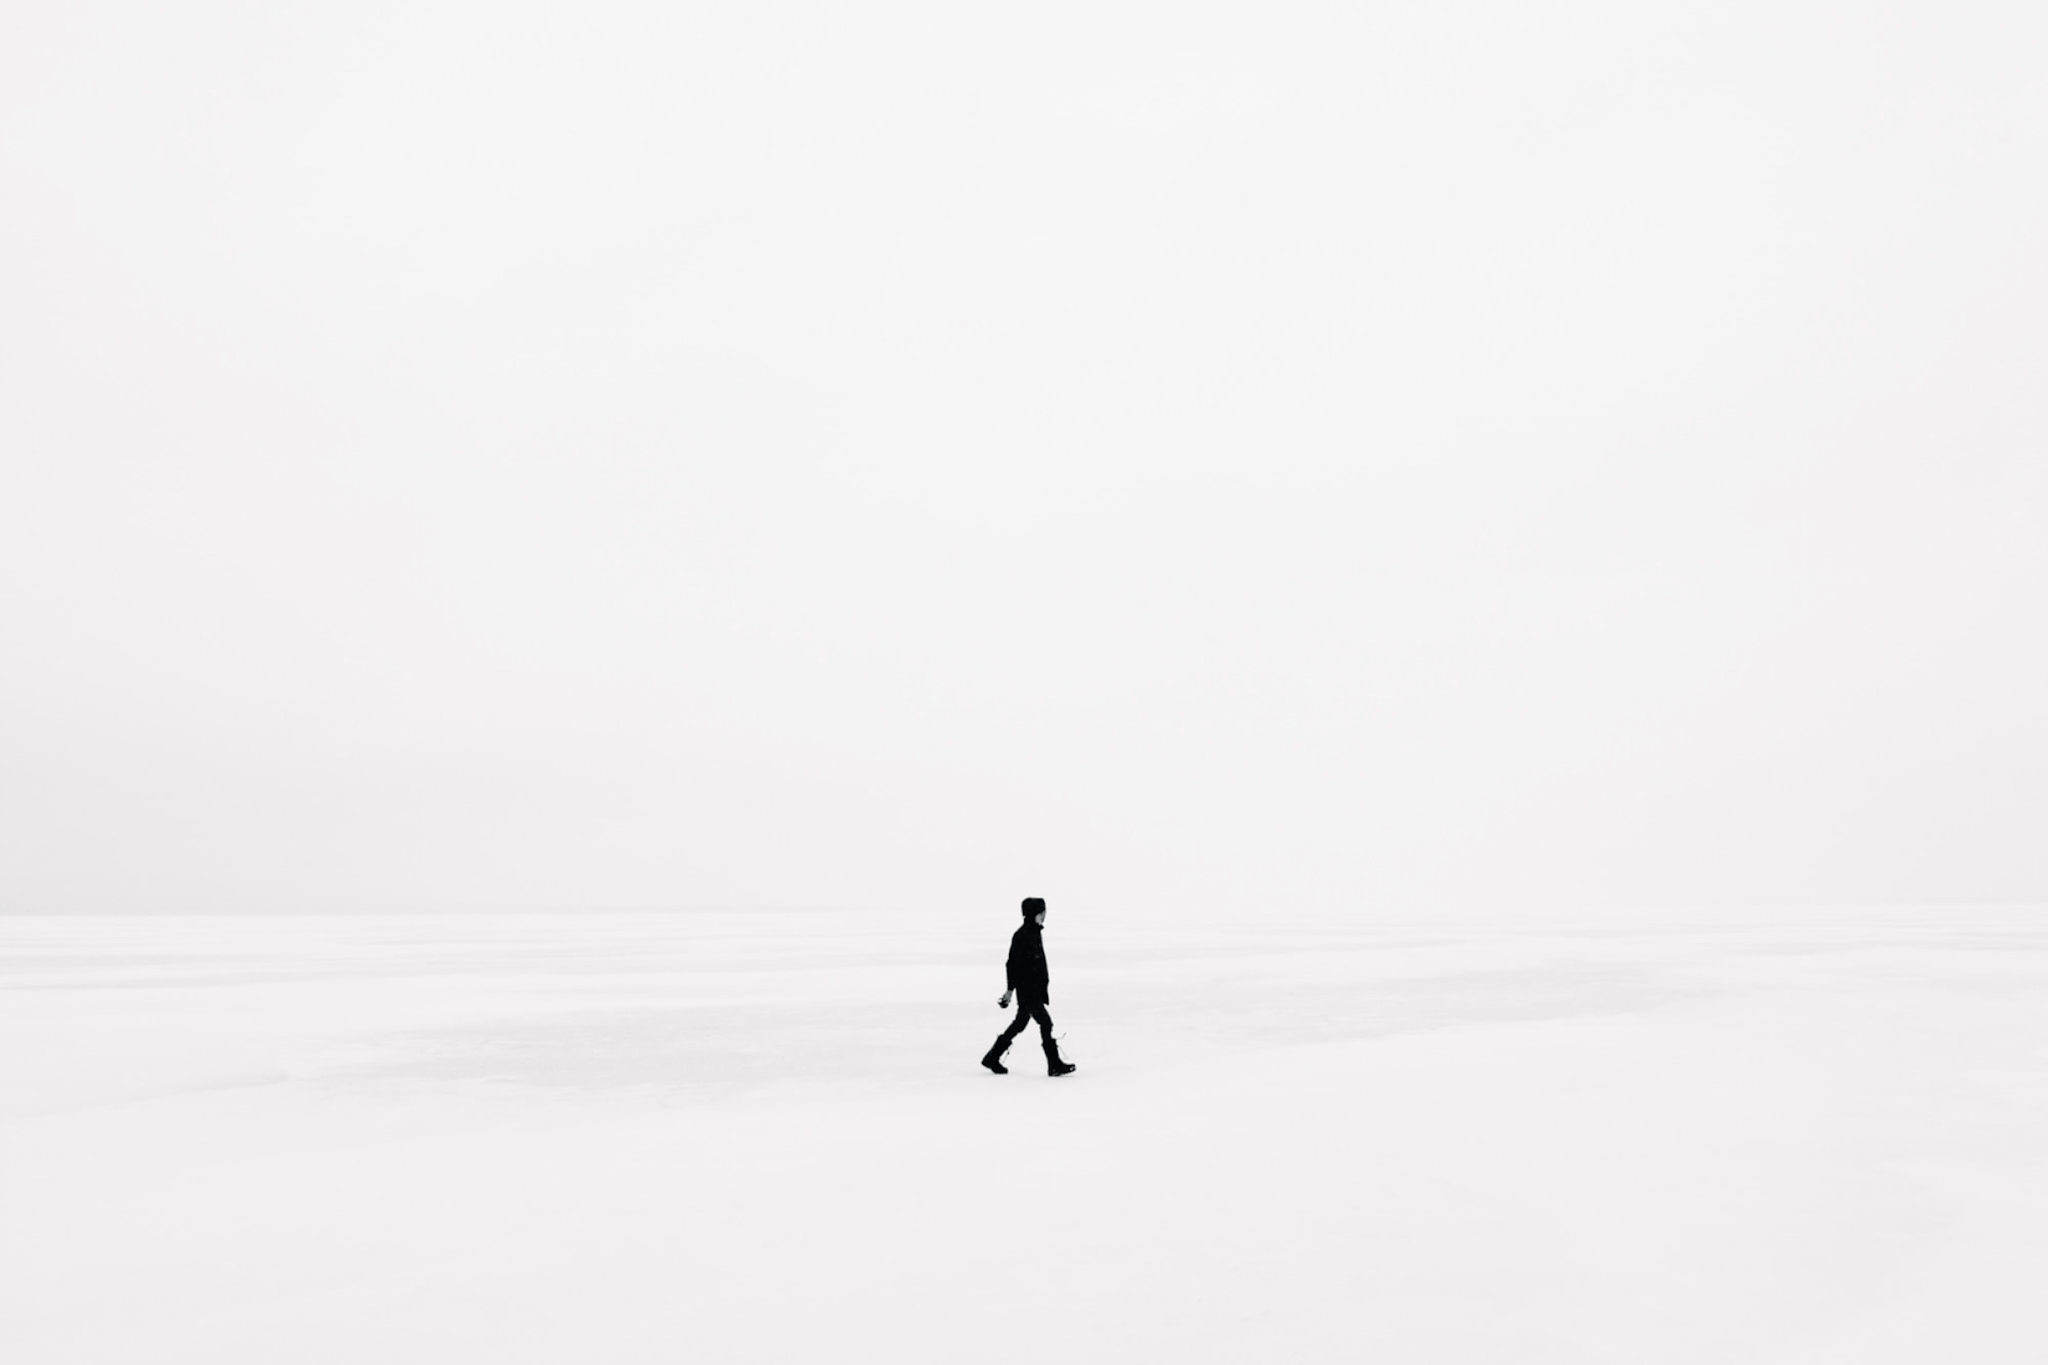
column 763, row 1137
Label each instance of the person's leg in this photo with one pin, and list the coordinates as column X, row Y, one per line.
column 1044, row 1021
column 1054, row 1063
column 1016, row 1025
column 994, row 1059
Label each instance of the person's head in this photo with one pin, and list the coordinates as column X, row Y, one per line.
column 1034, row 909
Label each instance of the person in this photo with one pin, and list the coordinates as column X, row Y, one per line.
column 1028, row 979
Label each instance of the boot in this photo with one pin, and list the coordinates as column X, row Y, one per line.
column 994, row 1060
column 1053, row 1065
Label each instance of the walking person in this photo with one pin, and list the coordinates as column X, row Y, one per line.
column 1027, row 978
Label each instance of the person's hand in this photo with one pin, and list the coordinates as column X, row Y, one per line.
column 1004, row 1003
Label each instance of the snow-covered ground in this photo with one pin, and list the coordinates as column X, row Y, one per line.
column 703, row 1137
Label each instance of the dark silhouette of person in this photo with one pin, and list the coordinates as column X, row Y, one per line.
column 1028, row 978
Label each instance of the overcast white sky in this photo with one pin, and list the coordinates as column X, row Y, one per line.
column 1358, row 457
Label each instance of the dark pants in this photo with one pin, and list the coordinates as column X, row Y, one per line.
column 1028, row 1009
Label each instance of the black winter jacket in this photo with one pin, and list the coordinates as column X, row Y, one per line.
column 1026, row 968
